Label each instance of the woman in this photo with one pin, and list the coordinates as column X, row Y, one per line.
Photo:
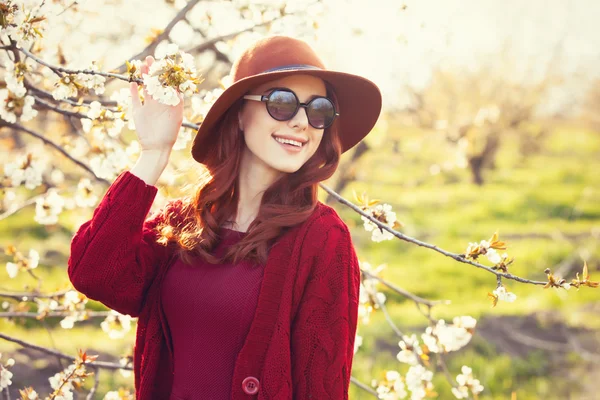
column 248, row 290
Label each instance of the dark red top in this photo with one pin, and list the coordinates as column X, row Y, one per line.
column 301, row 340
column 220, row 301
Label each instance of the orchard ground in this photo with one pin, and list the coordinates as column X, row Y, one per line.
column 546, row 206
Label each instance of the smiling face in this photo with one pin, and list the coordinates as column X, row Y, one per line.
column 260, row 129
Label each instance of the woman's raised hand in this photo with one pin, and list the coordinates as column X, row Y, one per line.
column 156, row 124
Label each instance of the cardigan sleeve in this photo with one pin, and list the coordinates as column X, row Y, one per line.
column 114, row 256
column 324, row 326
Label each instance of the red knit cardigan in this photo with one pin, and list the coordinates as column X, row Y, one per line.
column 301, row 342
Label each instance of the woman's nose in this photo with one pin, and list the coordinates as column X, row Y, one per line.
column 300, row 120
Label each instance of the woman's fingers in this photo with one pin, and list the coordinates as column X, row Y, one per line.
column 135, row 97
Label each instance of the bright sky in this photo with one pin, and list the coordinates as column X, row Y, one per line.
column 396, row 46
column 402, row 46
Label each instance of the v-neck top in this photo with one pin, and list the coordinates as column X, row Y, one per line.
column 209, row 309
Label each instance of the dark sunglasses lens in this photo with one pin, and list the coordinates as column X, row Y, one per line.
column 321, row 113
column 282, row 105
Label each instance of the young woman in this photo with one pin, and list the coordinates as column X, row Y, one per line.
column 249, row 289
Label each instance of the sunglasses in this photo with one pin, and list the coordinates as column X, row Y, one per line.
column 283, row 104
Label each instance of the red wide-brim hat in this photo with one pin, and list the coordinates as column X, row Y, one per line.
column 359, row 99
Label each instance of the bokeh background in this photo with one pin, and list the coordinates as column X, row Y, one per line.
column 491, row 123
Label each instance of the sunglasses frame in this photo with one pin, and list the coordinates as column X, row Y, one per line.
column 265, row 98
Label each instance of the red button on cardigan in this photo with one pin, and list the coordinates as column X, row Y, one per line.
column 250, row 385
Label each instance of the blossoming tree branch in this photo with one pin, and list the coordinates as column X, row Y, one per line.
column 36, row 88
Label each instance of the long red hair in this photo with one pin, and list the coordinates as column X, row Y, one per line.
column 288, row 202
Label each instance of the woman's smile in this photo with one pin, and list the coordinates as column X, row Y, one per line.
column 291, row 146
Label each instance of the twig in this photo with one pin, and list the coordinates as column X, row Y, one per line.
column 14, row 209
column 363, row 386
column 24, row 314
column 57, row 147
column 402, row 292
column 52, row 107
column 399, row 235
column 23, row 296
column 92, row 392
column 99, row 364
column 164, row 35
column 59, row 70
column 383, row 308
column 48, row 95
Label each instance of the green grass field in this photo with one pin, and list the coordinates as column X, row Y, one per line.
column 546, row 207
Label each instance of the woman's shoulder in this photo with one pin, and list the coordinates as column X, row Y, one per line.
column 326, row 218
column 173, row 212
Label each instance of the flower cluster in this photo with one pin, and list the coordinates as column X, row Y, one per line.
column 466, row 384
column 443, row 338
column 392, row 387
column 69, row 85
column 20, row 22
column 110, row 161
column 381, row 212
column 48, row 207
column 26, row 169
column 116, row 325
column 488, row 248
column 5, row 374
column 440, row 338
column 85, row 197
column 126, row 360
column 74, row 302
column 384, row 214
column 369, row 297
column 64, row 382
column 558, row 282
column 121, row 394
column 102, row 120
column 202, row 103
column 418, row 381
column 173, row 74
column 501, row 294
column 15, row 107
column 15, row 104
column 21, row 263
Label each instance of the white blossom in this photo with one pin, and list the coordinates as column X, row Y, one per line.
column 116, row 325
column 410, row 350
column 418, row 381
column 183, row 138
column 173, row 72
column 466, row 383
column 92, row 81
column 64, row 88
column 110, row 164
column 12, row 269
column 95, row 109
column 124, row 105
column 5, row 377
column 493, row 256
column 26, row 169
column 444, row 338
column 384, row 214
column 503, row 295
column 49, row 207
column 85, row 197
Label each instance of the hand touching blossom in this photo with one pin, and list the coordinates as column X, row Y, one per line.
column 157, row 124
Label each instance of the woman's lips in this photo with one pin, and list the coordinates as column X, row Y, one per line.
column 290, row 147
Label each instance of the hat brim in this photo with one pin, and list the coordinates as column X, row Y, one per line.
column 359, row 101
